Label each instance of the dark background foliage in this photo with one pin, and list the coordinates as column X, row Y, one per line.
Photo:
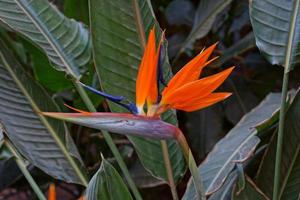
column 252, row 79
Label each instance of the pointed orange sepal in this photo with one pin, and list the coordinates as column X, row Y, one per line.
column 52, row 192
column 201, row 103
column 191, row 71
column 146, row 71
column 196, row 89
column 77, row 110
column 153, row 91
column 81, row 198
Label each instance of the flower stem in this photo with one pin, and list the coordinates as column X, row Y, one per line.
column 192, row 165
column 110, row 143
column 280, row 136
column 169, row 169
column 287, row 67
column 22, row 166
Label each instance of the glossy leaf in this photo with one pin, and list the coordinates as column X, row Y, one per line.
column 290, row 184
column 273, row 28
column 205, row 16
column 118, row 30
column 236, row 147
column 65, row 41
column 45, row 143
column 44, row 73
column 107, row 184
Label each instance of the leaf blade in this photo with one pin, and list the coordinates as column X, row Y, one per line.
column 236, row 146
column 290, row 157
column 32, row 134
column 64, row 40
column 276, row 34
column 104, row 183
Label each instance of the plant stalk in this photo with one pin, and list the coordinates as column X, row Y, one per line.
column 280, row 136
column 22, row 166
column 192, row 165
column 169, row 169
column 287, row 67
column 110, row 143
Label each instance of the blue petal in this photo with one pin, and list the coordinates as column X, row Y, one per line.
column 131, row 107
column 103, row 94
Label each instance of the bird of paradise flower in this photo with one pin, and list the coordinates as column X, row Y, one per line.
column 185, row 91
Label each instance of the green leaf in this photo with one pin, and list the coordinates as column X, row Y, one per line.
column 65, row 41
column 107, row 184
column 274, row 28
column 251, row 192
column 118, row 31
column 289, row 173
column 78, row 10
column 44, row 73
column 236, row 147
column 44, row 142
column 205, row 16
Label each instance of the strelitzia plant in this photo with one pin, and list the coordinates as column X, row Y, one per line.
column 185, row 91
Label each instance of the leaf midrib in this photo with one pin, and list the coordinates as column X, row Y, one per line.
column 230, row 159
column 139, row 23
column 43, row 30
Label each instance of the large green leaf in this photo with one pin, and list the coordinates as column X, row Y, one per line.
column 118, row 31
column 44, row 142
column 107, row 184
column 44, row 72
column 273, row 28
column 205, row 16
column 290, row 162
column 65, row 41
column 237, row 146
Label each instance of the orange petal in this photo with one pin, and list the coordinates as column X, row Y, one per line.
column 153, row 91
column 77, row 110
column 191, row 71
column 201, row 103
column 196, row 89
column 52, row 192
column 146, row 71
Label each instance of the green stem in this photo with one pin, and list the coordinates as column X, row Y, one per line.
column 280, row 136
column 169, row 169
column 110, row 143
column 22, row 166
column 287, row 66
column 192, row 165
